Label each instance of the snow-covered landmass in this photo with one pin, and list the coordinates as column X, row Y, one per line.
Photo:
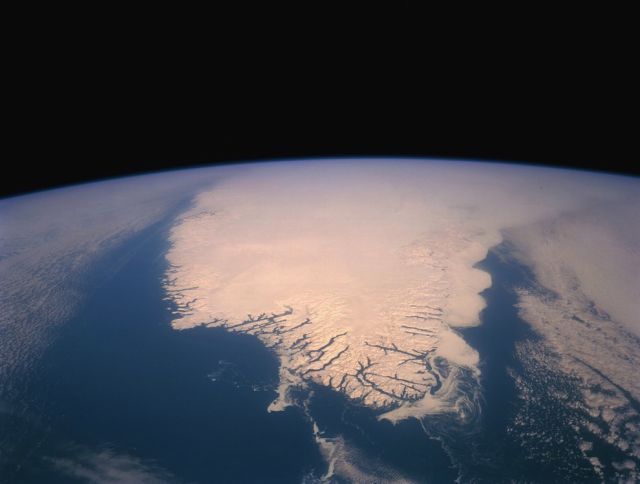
column 358, row 273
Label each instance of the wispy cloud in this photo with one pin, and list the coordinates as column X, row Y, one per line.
column 108, row 467
column 48, row 243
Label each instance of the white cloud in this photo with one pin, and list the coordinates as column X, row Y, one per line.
column 587, row 308
column 49, row 241
column 108, row 467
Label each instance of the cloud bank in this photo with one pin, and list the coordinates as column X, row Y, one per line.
column 48, row 243
column 587, row 307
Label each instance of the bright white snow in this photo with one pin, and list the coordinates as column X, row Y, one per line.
column 358, row 273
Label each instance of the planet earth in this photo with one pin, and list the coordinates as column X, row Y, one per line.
column 327, row 320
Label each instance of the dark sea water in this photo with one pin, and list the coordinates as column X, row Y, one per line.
column 120, row 382
column 120, row 391
column 381, row 448
column 493, row 457
column 497, row 452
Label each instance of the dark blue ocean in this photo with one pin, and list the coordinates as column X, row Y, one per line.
column 118, row 379
column 119, row 384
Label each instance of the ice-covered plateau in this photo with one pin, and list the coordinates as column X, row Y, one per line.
column 359, row 275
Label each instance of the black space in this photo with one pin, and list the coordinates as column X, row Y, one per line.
column 102, row 140
column 97, row 114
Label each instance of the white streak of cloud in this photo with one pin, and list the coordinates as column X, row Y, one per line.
column 108, row 467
